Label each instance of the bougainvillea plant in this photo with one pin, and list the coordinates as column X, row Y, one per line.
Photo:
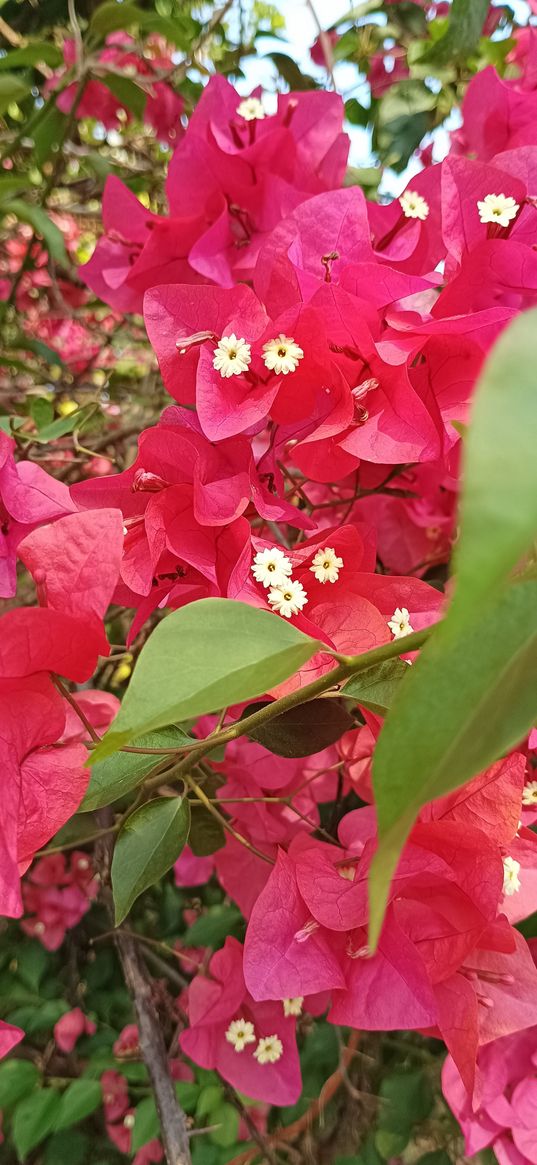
column 268, row 576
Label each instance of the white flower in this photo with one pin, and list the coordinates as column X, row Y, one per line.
column 293, row 1006
column 326, row 565
column 288, row 599
column 511, row 880
column 529, row 793
column 269, row 1050
column 128, row 1121
column 347, row 871
column 271, row 567
column 240, row 1033
column 231, row 356
column 251, row 109
column 413, row 205
column 399, row 623
column 82, row 864
column 497, row 208
column 281, row 355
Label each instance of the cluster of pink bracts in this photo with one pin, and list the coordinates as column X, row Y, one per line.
column 320, row 348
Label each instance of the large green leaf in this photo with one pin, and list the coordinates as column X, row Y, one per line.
column 498, row 516
column 208, row 655
column 33, row 1119
column 147, row 846
column 471, row 696
column 120, row 774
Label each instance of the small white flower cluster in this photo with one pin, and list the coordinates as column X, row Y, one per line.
column 399, row 623
column 233, row 355
column 498, row 208
column 272, row 568
column 413, row 205
column 241, row 1032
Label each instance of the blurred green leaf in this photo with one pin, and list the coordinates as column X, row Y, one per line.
column 127, row 92
column 211, row 929
column 38, row 218
column 18, row 1078
column 146, row 1123
column 79, row 1100
column 291, row 73
column 12, row 88
column 498, row 511
column 35, row 53
column 469, row 698
column 33, row 1119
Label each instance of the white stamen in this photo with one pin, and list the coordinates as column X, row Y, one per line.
column 326, row 565
column 240, row 1033
column 529, row 793
column 251, row 109
column 498, row 208
column 293, row 1006
column 232, row 356
column 413, row 205
column 282, row 355
column 269, row 1050
column 271, row 567
column 399, row 623
column 511, row 880
column 288, row 599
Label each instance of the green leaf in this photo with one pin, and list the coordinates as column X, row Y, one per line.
column 35, row 53
column 17, row 1079
column 303, row 730
column 33, row 1119
column 466, row 20
column 376, row 687
column 112, row 16
column 146, row 1124
column 291, row 73
column 68, row 1148
column 210, row 1098
column 211, row 929
column 469, row 698
column 79, row 1100
column 498, row 515
column 120, row 774
column 206, row 835
column 11, row 183
column 227, row 1119
column 38, row 218
column 127, row 92
column 42, row 411
column 147, row 846
column 12, row 88
column 48, row 134
column 209, row 654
